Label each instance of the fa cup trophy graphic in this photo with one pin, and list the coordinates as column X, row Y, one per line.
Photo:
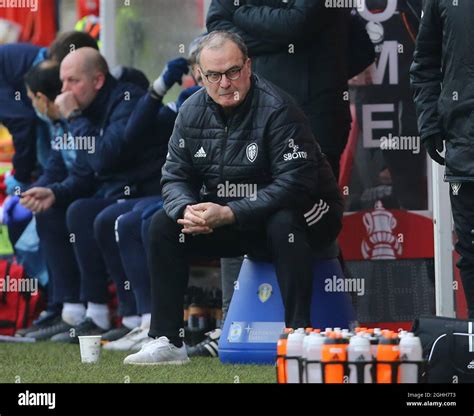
column 382, row 244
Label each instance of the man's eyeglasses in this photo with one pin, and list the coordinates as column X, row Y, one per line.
column 232, row 74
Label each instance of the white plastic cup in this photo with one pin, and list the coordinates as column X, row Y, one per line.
column 90, row 348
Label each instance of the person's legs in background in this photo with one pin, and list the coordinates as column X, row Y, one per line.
column 56, row 244
column 64, row 284
column 107, row 236
column 230, row 269
column 135, row 265
column 53, row 310
column 81, row 220
column 463, row 214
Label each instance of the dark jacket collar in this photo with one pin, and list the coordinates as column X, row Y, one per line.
column 98, row 108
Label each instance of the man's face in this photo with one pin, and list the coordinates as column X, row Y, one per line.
column 39, row 101
column 227, row 93
column 84, row 86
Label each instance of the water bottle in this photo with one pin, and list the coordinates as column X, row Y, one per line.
column 334, row 350
column 346, row 333
column 374, row 344
column 294, row 348
column 281, row 352
column 410, row 350
column 359, row 351
column 303, row 356
column 387, row 350
column 313, row 350
column 327, row 332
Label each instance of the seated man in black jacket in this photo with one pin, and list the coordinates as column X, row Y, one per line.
column 244, row 174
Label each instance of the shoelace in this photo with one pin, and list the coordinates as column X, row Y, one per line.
column 160, row 342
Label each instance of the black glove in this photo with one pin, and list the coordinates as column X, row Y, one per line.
column 434, row 146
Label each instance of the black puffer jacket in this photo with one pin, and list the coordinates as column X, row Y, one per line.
column 267, row 142
column 442, row 76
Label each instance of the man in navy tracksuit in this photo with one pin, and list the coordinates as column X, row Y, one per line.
column 111, row 170
column 16, row 111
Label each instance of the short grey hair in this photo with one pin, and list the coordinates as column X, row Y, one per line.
column 194, row 47
column 215, row 40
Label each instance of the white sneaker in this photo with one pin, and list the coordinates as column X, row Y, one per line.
column 159, row 352
column 133, row 341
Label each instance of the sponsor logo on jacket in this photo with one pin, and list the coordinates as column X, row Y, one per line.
column 296, row 153
column 200, row 154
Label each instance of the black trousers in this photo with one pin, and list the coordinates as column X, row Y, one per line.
column 462, row 203
column 92, row 221
column 65, row 279
column 284, row 238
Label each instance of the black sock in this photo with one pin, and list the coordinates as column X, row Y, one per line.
column 177, row 342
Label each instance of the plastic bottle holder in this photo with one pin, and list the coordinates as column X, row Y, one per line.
column 304, row 366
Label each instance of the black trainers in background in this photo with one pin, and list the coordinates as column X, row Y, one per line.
column 207, row 348
column 86, row 328
column 46, row 332
column 46, row 318
column 115, row 334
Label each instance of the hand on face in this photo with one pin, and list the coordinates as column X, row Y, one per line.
column 66, row 103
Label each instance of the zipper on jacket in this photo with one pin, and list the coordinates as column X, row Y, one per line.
column 224, row 145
